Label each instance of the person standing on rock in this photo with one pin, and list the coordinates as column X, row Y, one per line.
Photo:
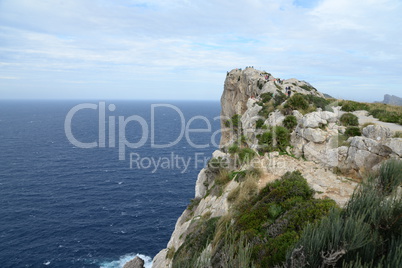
column 289, row 92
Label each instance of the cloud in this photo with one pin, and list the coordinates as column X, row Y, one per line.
column 170, row 44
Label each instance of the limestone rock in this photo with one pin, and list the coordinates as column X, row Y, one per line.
column 312, row 134
column 201, row 184
column 321, row 154
column 250, row 117
column 395, row 145
column 298, row 115
column 365, row 153
column 376, row 132
column 160, row 260
column 317, row 119
column 137, row 262
column 275, row 119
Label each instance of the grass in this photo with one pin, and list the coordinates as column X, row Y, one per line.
column 381, row 111
column 398, row 134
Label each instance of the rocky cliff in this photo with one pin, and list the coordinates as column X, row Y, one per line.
column 266, row 135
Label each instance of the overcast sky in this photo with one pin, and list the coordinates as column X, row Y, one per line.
column 181, row 49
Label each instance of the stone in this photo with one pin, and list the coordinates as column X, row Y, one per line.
column 395, row 144
column 275, row 119
column 317, row 119
column 137, row 262
column 312, row 134
column 377, row 133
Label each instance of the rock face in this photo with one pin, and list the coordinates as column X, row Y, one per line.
column 137, row 262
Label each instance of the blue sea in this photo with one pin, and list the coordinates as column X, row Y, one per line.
column 65, row 205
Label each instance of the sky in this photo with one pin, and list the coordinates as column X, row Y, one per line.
column 182, row 49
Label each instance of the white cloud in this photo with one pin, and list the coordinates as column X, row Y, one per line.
column 197, row 41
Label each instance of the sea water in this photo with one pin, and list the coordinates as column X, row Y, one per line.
column 62, row 205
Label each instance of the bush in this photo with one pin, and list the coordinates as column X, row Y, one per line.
column 349, row 119
column 279, row 98
column 234, row 122
column 308, row 88
column 259, row 123
column 317, row 101
column 274, row 219
column 266, row 97
column 290, row 122
column 386, row 116
column 245, row 155
column 234, row 148
column 353, row 131
column 297, row 102
column 282, row 138
column 351, row 106
column 278, row 138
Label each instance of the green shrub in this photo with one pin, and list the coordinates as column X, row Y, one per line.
column 234, row 148
column 266, row 142
column 245, row 155
column 351, row 106
column 353, row 131
column 297, row 102
column 282, row 138
column 274, row 219
column 387, row 116
column 266, row 97
column 349, row 119
column 318, row 102
column 290, row 122
column 259, row 123
column 234, row 122
column 308, row 88
column 279, row 98
column 278, row 138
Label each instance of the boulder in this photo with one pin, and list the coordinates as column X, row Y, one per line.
column 365, row 153
column 275, row 119
column 312, row 134
column 317, row 119
column 376, row 132
column 137, row 262
column 395, row 145
column 322, row 154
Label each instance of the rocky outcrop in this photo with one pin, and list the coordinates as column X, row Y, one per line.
column 137, row 262
column 241, row 85
column 377, row 133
